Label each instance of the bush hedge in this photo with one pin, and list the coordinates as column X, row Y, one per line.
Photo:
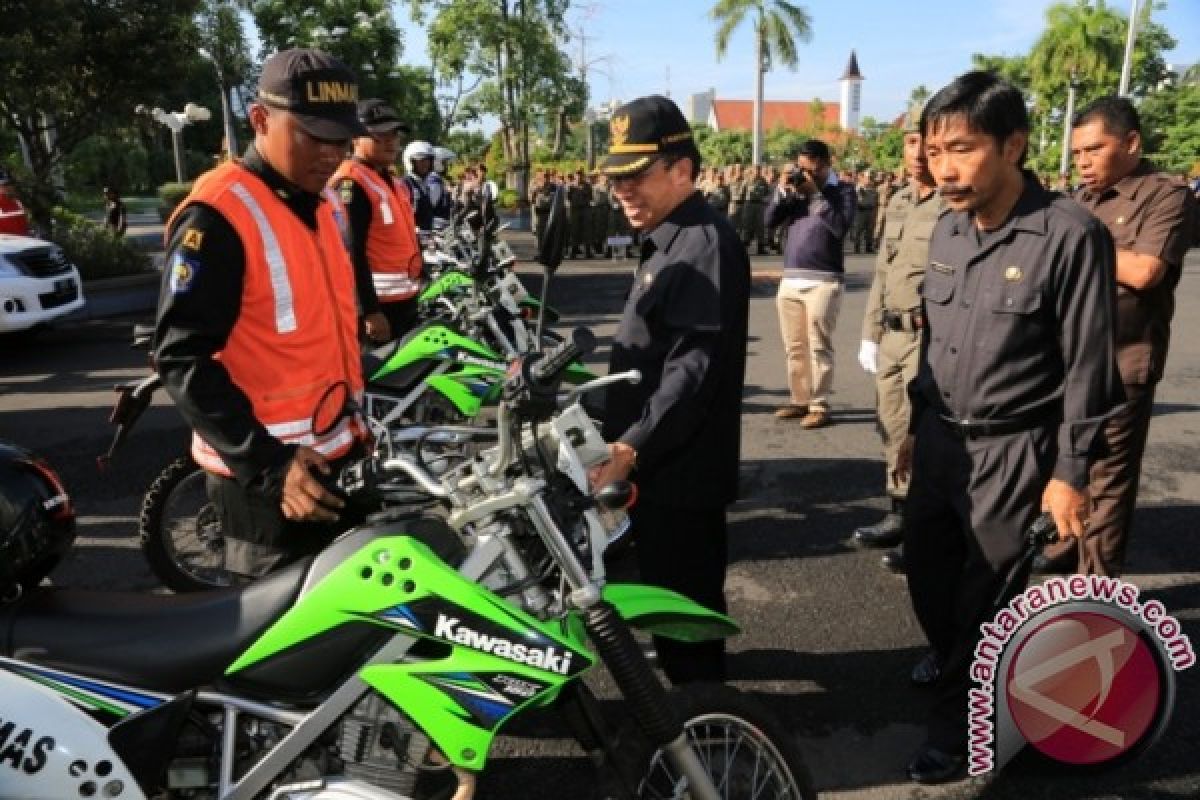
column 93, row 249
column 171, row 195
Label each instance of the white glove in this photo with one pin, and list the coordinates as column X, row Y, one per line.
column 868, row 356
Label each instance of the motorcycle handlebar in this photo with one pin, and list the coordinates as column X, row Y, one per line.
column 559, row 357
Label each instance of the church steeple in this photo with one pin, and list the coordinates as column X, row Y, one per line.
column 851, row 81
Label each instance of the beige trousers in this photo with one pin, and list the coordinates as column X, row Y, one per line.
column 807, row 318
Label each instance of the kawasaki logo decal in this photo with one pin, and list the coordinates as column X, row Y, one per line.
column 548, row 658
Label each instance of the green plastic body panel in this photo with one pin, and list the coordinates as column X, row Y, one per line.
column 448, row 282
column 469, row 388
column 499, row 659
column 666, row 613
column 440, row 343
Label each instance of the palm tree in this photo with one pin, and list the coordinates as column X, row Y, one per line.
column 1082, row 45
column 777, row 26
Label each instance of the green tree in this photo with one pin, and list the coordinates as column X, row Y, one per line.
column 363, row 35
column 723, row 147
column 512, row 47
column 777, row 24
column 73, row 69
column 223, row 42
column 1171, row 127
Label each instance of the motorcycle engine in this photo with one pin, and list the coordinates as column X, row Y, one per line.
column 379, row 746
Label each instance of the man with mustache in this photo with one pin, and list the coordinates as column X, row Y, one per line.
column 1015, row 380
column 1148, row 214
column 257, row 318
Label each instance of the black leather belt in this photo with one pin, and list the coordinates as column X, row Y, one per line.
column 979, row 428
column 912, row 321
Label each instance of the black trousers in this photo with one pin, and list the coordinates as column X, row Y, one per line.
column 969, row 504
column 401, row 315
column 685, row 550
column 258, row 538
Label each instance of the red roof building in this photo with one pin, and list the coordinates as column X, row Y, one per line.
column 738, row 115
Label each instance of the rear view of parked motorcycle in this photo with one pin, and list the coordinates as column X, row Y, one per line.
column 384, row 667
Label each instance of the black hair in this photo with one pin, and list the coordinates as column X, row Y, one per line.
column 990, row 104
column 1117, row 113
column 692, row 155
column 815, row 148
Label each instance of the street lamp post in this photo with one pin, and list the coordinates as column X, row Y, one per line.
column 231, row 147
column 176, row 121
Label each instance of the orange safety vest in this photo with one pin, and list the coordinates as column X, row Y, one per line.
column 393, row 252
column 296, row 332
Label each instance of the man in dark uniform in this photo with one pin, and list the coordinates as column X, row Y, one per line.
column 541, row 198
column 598, row 216
column 677, row 432
column 115, row 219
column 1015, row 380
column 1148, row 214
column 257, row 316
column 862, row 234
column 579, row 204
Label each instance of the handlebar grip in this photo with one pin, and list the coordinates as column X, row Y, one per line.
column 1042, row 531
column 556, row 359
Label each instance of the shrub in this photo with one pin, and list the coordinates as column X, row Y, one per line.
column 93, row 249
column 507, row 199
column 171, row 195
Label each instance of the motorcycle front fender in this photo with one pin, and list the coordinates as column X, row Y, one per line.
column 666, row 613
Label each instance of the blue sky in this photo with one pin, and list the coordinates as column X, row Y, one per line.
column 899, row 44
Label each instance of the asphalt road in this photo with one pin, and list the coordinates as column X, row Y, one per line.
column 829, row 636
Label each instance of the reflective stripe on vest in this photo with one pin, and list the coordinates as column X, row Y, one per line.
column 296, row 333
column 393, row 252
column 285, row 311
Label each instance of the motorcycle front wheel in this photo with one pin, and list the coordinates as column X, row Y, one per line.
column 181, row 532
column 742, row 747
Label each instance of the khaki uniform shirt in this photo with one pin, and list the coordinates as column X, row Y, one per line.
column 1146, row 212
column 903, row 257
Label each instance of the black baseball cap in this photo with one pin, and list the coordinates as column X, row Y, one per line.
column 320, row 91
column 644, row 130
column 378, row 117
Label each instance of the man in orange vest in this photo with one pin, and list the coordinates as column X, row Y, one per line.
column 257, row 324
column 381, row 231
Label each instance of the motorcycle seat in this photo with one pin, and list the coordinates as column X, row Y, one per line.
column 159, row 642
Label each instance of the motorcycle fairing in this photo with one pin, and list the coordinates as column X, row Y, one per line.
column 448, row 282
column 457, row 696
column 665, row 613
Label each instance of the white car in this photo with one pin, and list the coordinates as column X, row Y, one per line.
column 37, row 283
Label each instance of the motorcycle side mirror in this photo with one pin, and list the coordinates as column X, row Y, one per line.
column 554, row 236
column 617, row 496
column 335, row 404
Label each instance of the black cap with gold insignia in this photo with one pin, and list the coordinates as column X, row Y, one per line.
column 378, row 117
column 643, row 131
column 320, row 91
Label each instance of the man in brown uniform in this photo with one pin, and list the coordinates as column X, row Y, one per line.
column 1148, row 214
column 891, row 338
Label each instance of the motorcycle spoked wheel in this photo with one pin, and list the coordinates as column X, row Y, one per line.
column 742, row 746
column 181, row 532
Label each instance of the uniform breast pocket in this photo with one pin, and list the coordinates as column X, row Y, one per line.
column 1016, row 317
column 939, row 284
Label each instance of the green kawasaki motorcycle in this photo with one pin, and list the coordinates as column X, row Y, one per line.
column 384, row 667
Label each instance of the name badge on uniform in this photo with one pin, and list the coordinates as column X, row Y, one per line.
column 385, row 209
column 1013, row 274
column 938, row 266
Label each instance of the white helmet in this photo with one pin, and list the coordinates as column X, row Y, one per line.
column 442, row 156
column 415, row 151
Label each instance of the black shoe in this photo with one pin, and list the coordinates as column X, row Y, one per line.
column 1062, row 565
column 888, row 532
column 893, row 560
column 927, row 670
column 931, row 765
